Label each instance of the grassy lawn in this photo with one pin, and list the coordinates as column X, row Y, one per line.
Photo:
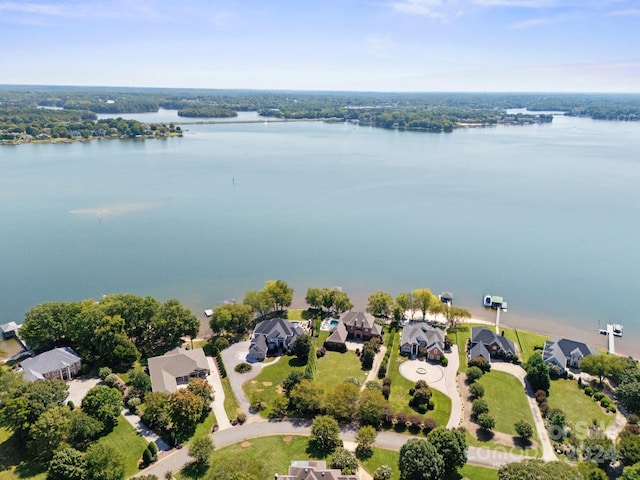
column 230, row 403
column 460, row 335
column 205, row 427
column 261, row 457
column 388, row 457
column 295, row 314
column 399, row 398
column 526, row 341
column 128, row 443
column 507, row 401
column 578, row 407
column 14, row 464
column 334, row 367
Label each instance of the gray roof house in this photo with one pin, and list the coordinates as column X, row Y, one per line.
column 177, row 367
column 337, row 338
column 494, row 345
column 564, row 353
column 422, row 338
column 360, row 325
column 270, row 335
column 62, row 363
column 313, row 470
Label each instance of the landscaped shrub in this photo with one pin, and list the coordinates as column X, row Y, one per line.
column 111, row 380
column 382, row 371
column 147, row 457
column 415, row 422
column 353, row 380
column 373, row 385
column 598, row 396
column 133, row 404
column 474, row 373
column 481, row 363
column 486, row 421
column 221, row 368
column 476, row 390
column 633, row 419
column 605, row 402
column 429, row 424
column 103, row 372
column 70, row 405
column 444, row 361
column 431, row 404
column 243, row 367
column 387, row 382
column 588, row 391
column 401, row 419
column 321, row 353
column 479, row 406
column 153, row 448
column 241, row 417
column 386, row 391
column 541, row 396
column 612, row 408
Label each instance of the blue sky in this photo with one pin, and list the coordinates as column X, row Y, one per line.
column 394, row 45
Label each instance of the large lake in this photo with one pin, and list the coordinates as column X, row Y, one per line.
column 545, row 215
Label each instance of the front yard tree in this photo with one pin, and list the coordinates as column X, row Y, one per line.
column 314, row 298
column 325, row 434
column 451, row 444
column 597, row 365
column 200, row 450
column 327, row 298
column 383, row 472
column 202, row 389
column 104, row 462
column 185, row 411
column 294, row 378
column 343, row 460
column 48, row 432
column 342, row 402
column 67, row 464
column 538, row 373
column 365, row 437
column 341, row 302
column 280, row 293
column 540, row 470
column 379, row 304
column 424, row 299
column 486, row 421
column 629, row 448
column 83, row 429
column 419, row 460
column 524, row 429
column 307, row 398
column 104, row 404
column 406, row 302
column 371, row 407
column 156, row 411
column 232, row 318
column 302, row 346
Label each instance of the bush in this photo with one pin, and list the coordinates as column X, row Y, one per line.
column 241, row 417
column 133, row 404
column 481, row 363
column 541, row 396
column 153, row 448
column 588, row 391
column 444, row 361
column 605, row 402
column 476, row 390
column 429, row 424
column 221, row 368
column 474, row 373
column 70, row 405
column 612, row 408
column 479, row 406
column 431, row 405
column 382, row 372
column 243, row 367
column 103, row 372
column 486, row 421
column 352, row 380
column 321, row 353
column 387, row 382
column 633, row 419
column 598, row 396
column 111, row 380
column 386, row 391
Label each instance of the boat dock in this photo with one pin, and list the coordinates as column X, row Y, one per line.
column 611, row 332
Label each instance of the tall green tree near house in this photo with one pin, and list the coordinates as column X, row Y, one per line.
column 280, row 293
column 424, row 300
column 419, row 460
column 379, row 304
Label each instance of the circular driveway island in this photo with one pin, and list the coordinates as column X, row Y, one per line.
column 414, row 370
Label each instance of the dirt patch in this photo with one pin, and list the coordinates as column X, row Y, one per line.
column 245, row 444
column 287, row 438
column 267, row 384
column 253, row 382
column 279, row 389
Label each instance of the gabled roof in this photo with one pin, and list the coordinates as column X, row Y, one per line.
column 277, row 327
column 313, row 470
column 9, row 328
column 258, row 346
column 479, row 350
column 361, row 320
column 35, row 368
column 423, row 334
column 558, row 349
column 487, row 337
column 179, row 362
column 338, row 334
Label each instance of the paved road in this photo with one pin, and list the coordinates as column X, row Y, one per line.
column 387, row 440
column 517, row 371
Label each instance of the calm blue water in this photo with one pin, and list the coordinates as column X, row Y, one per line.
column 546, row 216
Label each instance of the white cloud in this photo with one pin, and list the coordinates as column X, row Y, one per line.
column 427, row 8
column 537, row 22
column 115, row 10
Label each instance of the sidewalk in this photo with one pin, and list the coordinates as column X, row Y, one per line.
column 148, row 434
column 218, row 402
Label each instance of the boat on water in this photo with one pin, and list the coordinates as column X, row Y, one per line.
column 495, row 302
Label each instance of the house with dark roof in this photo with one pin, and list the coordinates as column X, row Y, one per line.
column 563, row 353
column 423, row 339
column 337, row 338
column 62, row 363
column 487, row 344
column 272, row 335
column 313, row 470
column 360, row 325
column 176, row 367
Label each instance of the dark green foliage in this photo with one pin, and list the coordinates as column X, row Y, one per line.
column 451, row 444
column 295, row 377
column 480, row 363
column 474, row 373
column 104, row 462
column 325, row 435
column 476, row 390
column 243, row 367
column 311, row 369
column 103, row 404
column 479, row 406
column 201, row 449
column 538, row 373
column 67, row 464
column 371, row 408
column 629, row 448
column 631, row 473
column 147, row 456
column 419, row 460
column 221, row 367
column 486, row 421
column 524, row 429
column 538, row 470
column 139, row 384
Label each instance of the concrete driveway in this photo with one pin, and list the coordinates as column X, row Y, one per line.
column 78, row 388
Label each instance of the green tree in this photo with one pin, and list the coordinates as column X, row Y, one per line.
column 406, row 302
column 104, row 462
column 341, row 302
column 486, row 421
column 343, row 460
column 49, row 431
column 631, row 473
column 103, row 404
column 46, row 326
column 185, row 410
column 455, row 315
column 258, row 301
column 280, row 293
column 479, row 406
column 314, row 298
column 342, row 402
column 424, row 300
column 307, row 398
column 629, row 395
column 474, row 373
column 591, row 471
column 302, row 346
column 294, row 377
column 156, row 411
column 200, row 449
column 202, row 389
column 365, row 437
column 379, row 304
column 325, row 434
column 451, row 444
column 538, row 373
column 629, row 448
column 172, row 322
column 524, row 429
column 597, row 365
column 83, row 429
column 419, row 460
column 138, row 313
column 67, row 464
column 233, row 318
column 371, row 407
column 383, row 472
column 476, row 390
column 139, row 384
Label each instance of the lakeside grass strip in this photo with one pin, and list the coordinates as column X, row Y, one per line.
column 231, row 404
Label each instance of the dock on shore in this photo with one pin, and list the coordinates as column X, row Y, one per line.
column 609, row 333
